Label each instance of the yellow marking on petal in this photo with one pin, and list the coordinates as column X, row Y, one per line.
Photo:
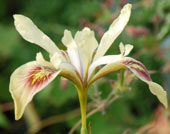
column 38, row 76
column 41, row 76
column 137, row 67
column 34, row 80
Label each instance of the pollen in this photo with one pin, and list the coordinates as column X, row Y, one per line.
column 38, row 76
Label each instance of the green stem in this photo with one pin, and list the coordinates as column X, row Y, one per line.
column 122, row 77
column 82, row 93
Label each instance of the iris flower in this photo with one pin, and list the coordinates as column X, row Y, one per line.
column 79, row 63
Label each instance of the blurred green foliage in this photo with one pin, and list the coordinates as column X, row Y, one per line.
column 133, row 109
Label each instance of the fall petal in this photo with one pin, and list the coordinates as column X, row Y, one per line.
column 137, row 68
column 124, row 62
column 114, row 30
column 26, row 81
column 157, row 90
column 30, row 32
column 141, row 72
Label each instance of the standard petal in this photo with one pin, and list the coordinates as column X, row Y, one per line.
column 87, row 44
column 28, row 80
column 141, row 72
column 29, row 31
column 115, row 29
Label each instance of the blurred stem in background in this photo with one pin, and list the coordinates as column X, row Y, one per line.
column 31, row 116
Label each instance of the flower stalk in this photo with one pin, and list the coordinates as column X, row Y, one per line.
column 82, row 93
column 122, row 78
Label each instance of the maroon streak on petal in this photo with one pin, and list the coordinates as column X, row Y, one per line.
column 138, row 68
column 39, row 76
